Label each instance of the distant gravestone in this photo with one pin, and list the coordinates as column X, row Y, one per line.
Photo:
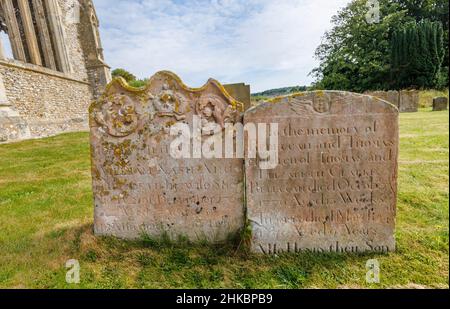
column 139, row 187
column 391, row 96
column 335, row 187
column 240, row 92
column 409, row 101
column 440, row 104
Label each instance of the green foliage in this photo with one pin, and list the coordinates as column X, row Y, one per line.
column 138, row 83
column 280, row 91
column 433, row 10
column 417, row 54
column 130, row 78
column 124, row 74
column 356, row 55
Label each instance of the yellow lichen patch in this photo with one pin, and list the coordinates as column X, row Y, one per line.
column 298, row 95
column 320, row 93
column 170, row 124
column 276, row 100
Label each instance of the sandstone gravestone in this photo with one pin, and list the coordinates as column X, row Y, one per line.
column 139, row 187
column 335, row 187
column 440, row 104
column 392, row 96
column 409, row 101
column 240, row 92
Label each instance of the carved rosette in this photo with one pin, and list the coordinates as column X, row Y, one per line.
column 117, row 115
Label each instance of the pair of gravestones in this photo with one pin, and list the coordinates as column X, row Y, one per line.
column 331, row 184
column 407, row 101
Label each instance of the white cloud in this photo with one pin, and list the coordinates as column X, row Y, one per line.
column 266, row 43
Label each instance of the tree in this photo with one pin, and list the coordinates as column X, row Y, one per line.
column 433, row 10
column 417, row 54
column 124, row 74
column 356, row 55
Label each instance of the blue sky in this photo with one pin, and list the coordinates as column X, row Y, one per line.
column 265, row 43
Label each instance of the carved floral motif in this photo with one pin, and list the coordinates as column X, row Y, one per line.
column 117, row 116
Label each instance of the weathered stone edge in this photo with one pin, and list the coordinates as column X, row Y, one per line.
column 279, row 99
column 122, row 83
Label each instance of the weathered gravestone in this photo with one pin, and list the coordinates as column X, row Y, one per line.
column 335, row 187
column 140, row 188
column 392, row 96
column 409, row 101
column 440, row 104
column 240, row 92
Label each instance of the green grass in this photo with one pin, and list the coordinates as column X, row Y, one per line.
column 46, row 218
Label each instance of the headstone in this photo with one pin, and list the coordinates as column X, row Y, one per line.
column 409, row 101
column 335, row 186
column 140, row 188
column 440, row 104
column 240, row 92
column 391, row 96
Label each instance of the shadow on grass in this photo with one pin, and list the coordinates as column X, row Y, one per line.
column 109, row 262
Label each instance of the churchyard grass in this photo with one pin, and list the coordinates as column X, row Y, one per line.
column 46, row 217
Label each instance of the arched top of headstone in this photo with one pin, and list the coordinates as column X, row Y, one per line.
column 323, row 103
column 170, row 81
column 123, row 110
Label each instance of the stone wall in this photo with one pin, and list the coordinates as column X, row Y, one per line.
column 73, row 45
column 48, row 101
column 41, row 99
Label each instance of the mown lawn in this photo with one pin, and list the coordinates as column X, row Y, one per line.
column 46, row 218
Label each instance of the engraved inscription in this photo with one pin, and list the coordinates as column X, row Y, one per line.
column 335, row 187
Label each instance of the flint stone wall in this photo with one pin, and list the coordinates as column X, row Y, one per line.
column 47, row 101
column 335, row 187
column 43, row 102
